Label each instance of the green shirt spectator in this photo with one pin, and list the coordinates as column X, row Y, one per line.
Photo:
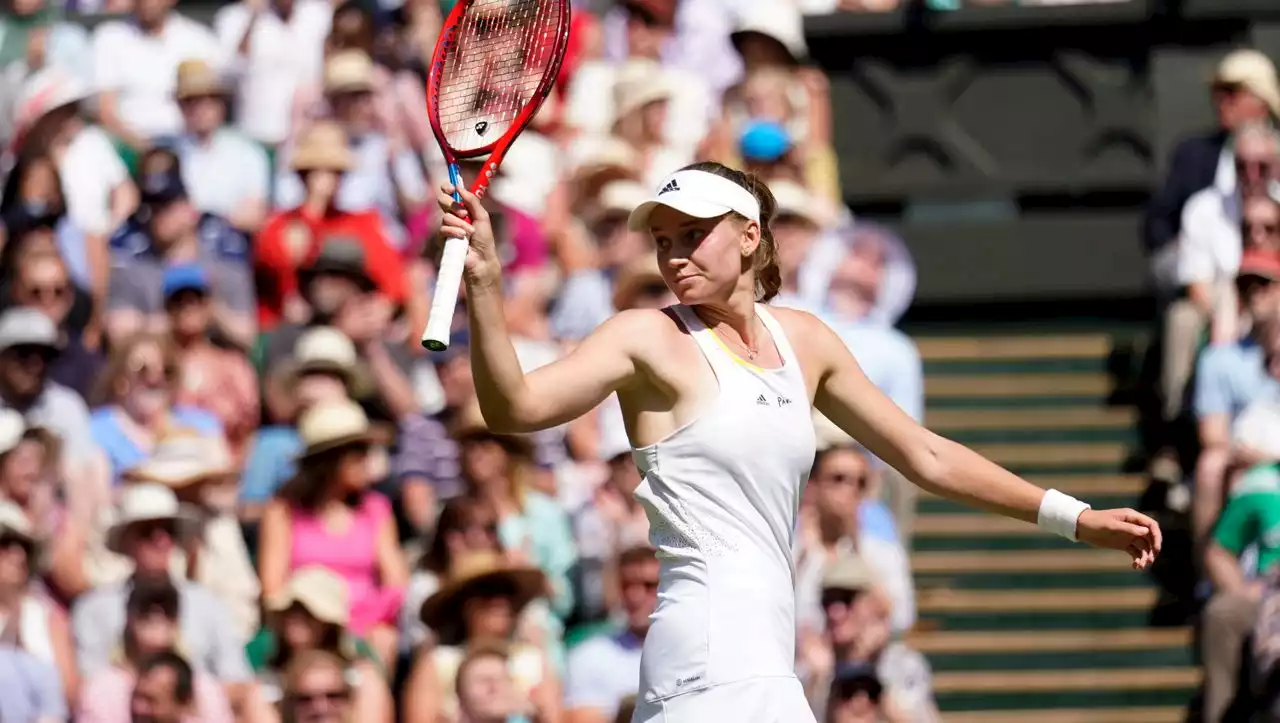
column 1252, row 516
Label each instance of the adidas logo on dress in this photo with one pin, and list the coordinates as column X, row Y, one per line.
column 762, row 401
column 671, row 186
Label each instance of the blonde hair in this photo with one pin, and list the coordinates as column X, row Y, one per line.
column 117, row 367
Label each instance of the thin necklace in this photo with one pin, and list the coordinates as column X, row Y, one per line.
column 752, row 351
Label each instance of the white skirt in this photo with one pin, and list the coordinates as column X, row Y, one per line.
column 756, row 700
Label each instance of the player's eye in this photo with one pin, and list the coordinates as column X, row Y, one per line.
column 661, row 243
column 695, row 236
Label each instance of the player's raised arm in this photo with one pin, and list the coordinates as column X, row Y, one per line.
column 511, row 400
column 951, row 470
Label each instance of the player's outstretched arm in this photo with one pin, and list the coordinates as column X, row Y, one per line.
column 511, row 400
column 951, row 470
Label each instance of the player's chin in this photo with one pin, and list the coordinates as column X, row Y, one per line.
column 691, row 291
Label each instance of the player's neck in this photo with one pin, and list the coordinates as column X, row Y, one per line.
column 737, row 313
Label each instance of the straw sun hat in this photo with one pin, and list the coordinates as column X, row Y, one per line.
column 149, row 502
column 331, row 425
column 317, row 589
column 471, row 574
column 182, row 460
column 197, row 78
column 469, row 424
column 323, row 350
column 322, row 147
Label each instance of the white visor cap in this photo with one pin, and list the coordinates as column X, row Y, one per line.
column 698, row 194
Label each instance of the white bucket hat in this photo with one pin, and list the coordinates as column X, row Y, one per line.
column 148, row 502
column 12, row 428
column 639, row 83
column 45, row 91
column 775, row 19
column 330, row 425
column 699, row 194
column 181, row 460
column 794, row 200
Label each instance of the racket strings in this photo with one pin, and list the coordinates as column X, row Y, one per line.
column 498, row 59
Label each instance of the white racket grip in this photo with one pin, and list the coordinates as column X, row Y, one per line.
column 445, row 299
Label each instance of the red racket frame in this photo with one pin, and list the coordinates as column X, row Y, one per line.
column 498, row 148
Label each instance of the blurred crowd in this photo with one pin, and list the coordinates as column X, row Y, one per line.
column 1212, row 234
column 233, row 486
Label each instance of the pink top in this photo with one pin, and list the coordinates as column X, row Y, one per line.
column 353, row 555
column 106, row 699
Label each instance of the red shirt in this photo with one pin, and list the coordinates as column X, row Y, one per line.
column 292, row 239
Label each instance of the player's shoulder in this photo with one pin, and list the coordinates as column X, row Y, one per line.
column 802, row 327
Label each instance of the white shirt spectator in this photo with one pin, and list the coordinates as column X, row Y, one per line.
column 281, row 56
column 888, row 562
column 143, row 69
column 90, row 170
column 689, row 114
column 1209, row 251
column 601, row 672
column 222, row 175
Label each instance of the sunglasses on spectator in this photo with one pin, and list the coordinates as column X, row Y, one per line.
column 333, row 696
column 146, row 367
column 9, row 542
column 1270, row 229
column 649, row 584
column 1260, row 168
column 846, row 689
column 645, row 16
column 836, row 596
column 841, row 478
column 29, row 353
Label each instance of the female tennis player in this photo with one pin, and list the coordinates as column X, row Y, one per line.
column 717, row 395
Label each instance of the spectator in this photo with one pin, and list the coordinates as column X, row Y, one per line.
column 41, row 281
column 135, row 403
column 841, row 482
column 385, row 176
column 317, row 690
column 135, row 64
column 149, row 526
column 167, row 231
column 28, row 344
column 33, row 200
column 166, row 691
column 604, row 670
column 857, row 633
column 1244, row 91
column 199, row 471
column 310, row 616
column 277, row 47
column 486, row 689
column 228, row 175
column 31, row 621
column 293, row 239
column 857, row 696
column 466, row 524
column 496, row 468
column 30, row 689
column 1259, row 230
column 213, row 377
column 322, row 369
column 1228, row 377
column 31, row 479
column 115, row 694
column 478, row 604
column 332, row 488
column 96, row 186
column 33, row 36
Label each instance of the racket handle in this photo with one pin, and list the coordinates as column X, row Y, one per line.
column 445, row 299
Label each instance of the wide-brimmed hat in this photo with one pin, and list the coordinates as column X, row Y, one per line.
column 794, row 200
column 149, row 502
column 639, row 83
column 616, row 200
column 45, row 91
column 322, row 147
column 342, row 256
column 848, row 572
column 469, row 423
column 198, row 78
column 1252, row 71
column 323, row 350
column 318, row 589
column 348, row 71
column 640, row 272
column 184, row 459
column 330, row 425
column 471, row 573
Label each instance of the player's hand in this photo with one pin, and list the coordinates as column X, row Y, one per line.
column 470, row 220
column 1125, row 530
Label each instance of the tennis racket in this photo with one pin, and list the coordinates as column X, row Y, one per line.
column 494, row 63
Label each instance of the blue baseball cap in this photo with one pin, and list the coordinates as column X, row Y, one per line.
column 187, row 277
column 764, row 141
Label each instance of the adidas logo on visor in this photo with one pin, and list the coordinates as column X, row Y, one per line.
column 672, row 186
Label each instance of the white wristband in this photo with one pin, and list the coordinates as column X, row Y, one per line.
column 1059, row 513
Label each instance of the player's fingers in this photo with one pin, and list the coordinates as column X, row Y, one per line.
column 456, row 227
column 473, row 205
column 1127, row 528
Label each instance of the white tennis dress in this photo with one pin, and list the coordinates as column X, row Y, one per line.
column 722, row 493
